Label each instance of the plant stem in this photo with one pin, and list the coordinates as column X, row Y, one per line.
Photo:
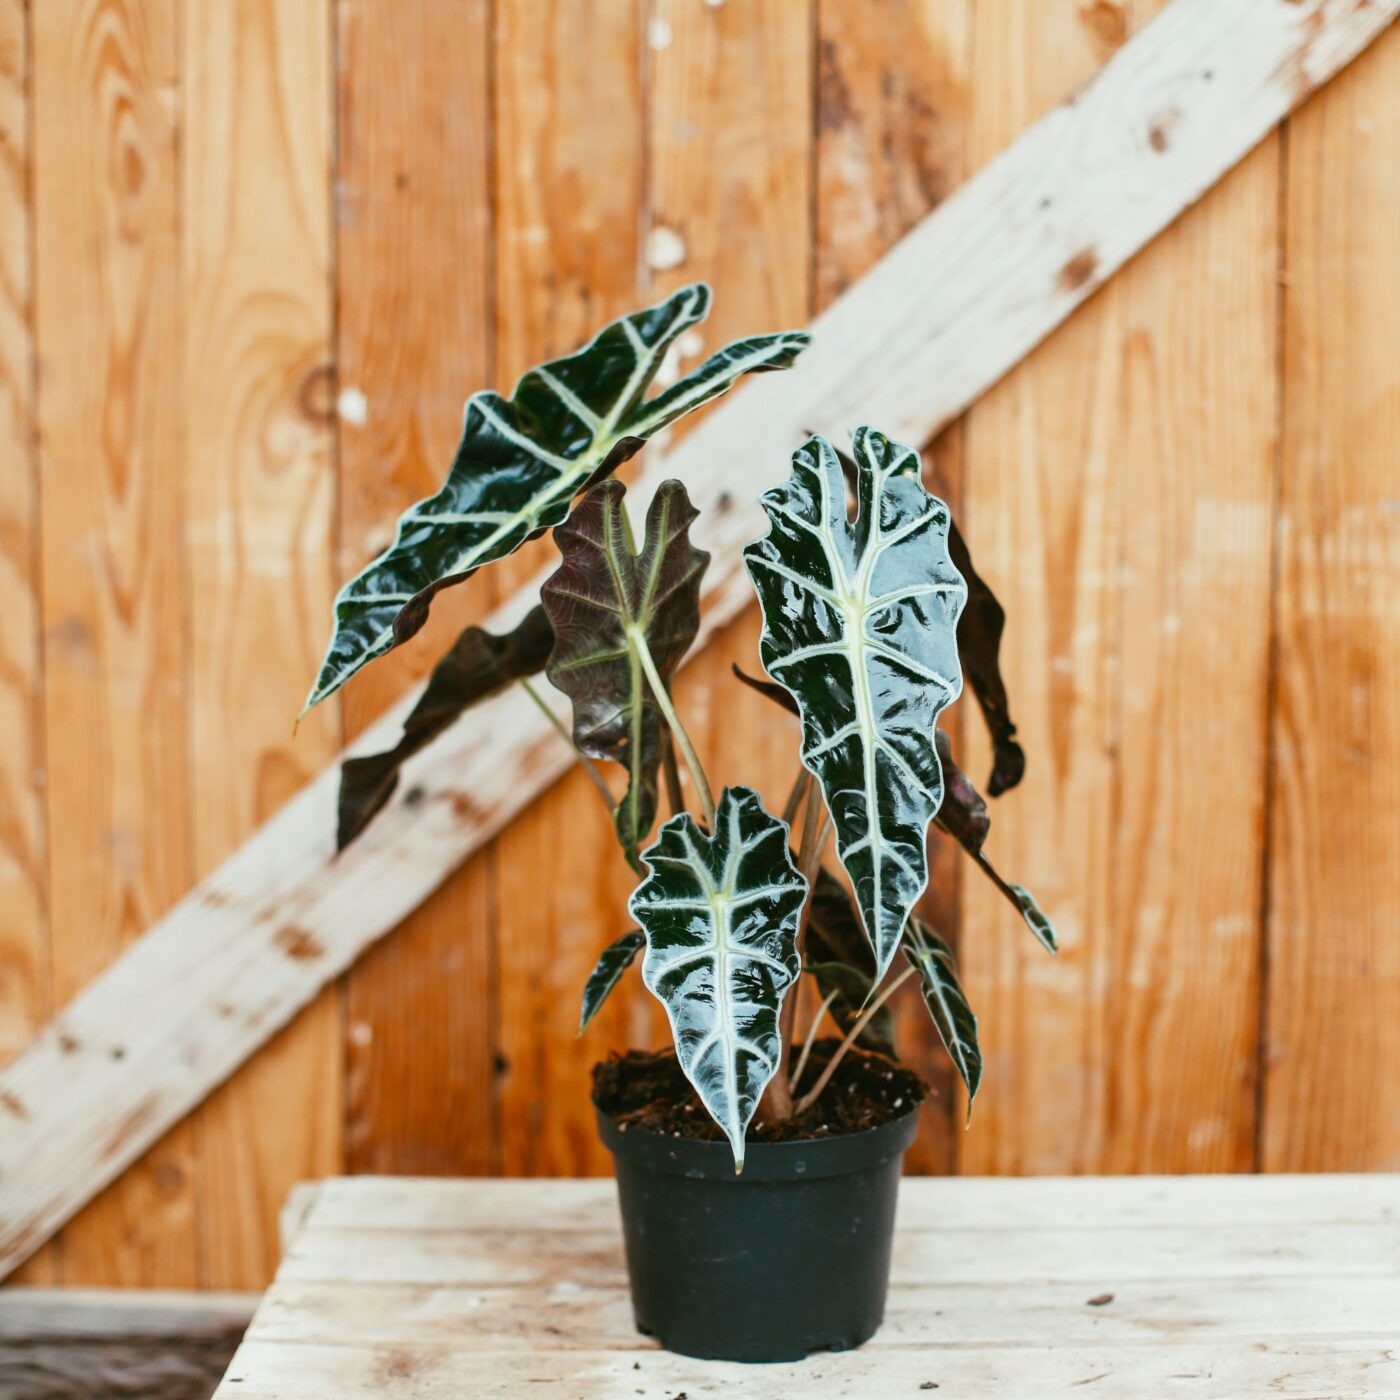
column 866, row 1016
column 796, row 1077
column 673, row 721
column 779, row 1096
column 799, row 791
column 587, row 763
column 674, row 795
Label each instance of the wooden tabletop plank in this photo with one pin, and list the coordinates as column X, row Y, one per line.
column 1229, row 1371
column 493, row 1257
column 1201, row 1286
column 401, row 1203
column 597, row 1316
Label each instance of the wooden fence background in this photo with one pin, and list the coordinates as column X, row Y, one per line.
column 253, row 256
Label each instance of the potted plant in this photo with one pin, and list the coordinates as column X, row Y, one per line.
column 757, row 1165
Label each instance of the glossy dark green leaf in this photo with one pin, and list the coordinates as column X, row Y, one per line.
column 600, row 601
column 615, row 960
column 834, row 929
column 1025, row 904
column 720, row 916
column 478, row 666
column 522, row 461
column 963, row 813
column 860, row 625
column 850, row 989
column 946, row 1001
column 768, row 689
column 979, row 646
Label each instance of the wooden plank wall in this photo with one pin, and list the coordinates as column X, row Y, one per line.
column 253, row 258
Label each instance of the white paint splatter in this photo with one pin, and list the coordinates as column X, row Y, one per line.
column 690, row 344
column 665, row 249
column 659, row 33
column 353, row 407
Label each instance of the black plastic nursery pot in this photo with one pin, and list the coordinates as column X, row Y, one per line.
column 789, row 1258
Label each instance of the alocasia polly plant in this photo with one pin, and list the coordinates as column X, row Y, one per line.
column 872, row 613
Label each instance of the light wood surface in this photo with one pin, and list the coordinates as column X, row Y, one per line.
column 116, row 774
column 25, row 991
column 1215, row 1286
column 1332, row 1035
column 1120, row 484
column 413, row 275
column 259, row 487
column 253, row 259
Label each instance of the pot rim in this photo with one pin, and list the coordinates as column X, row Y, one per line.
column 837, row 1154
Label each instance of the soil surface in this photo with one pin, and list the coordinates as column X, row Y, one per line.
column 646, row 1089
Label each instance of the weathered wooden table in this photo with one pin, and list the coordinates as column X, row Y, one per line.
column 1141, row 1287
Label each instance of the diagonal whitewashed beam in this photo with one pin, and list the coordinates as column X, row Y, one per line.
column 961, row 300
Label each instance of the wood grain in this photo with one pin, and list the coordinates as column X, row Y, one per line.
column 906, row 345
column 1332, row 1092
column 892, row 145
column 259, row 486
column 1119, row 493
column 571, row 195
column 414, row 206
column 25, row 991
column 112, row 552
column 23, row 935
column 1256, row 1369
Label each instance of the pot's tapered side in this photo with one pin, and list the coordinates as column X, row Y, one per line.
column 789, row 1258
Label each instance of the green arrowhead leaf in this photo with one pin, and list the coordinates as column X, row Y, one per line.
column 1025, row 904
column 860, row 624
column 479, row 665
column 963, row 814
column 522, row 461
column 602, row 598
column 720, row 916
column 834, row 930
column 1035, row 918
column 946, row 1001
column 850, row 989
column 615, row 960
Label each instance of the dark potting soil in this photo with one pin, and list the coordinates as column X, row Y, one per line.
column 646, row 1089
